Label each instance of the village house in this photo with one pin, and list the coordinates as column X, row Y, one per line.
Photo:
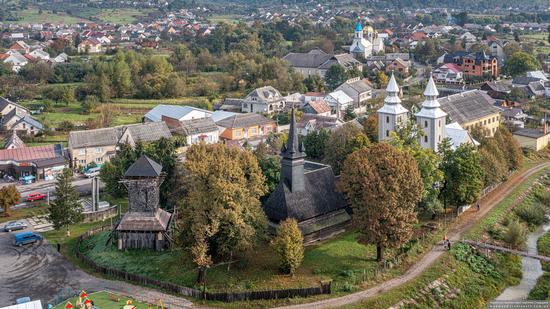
column 100, row 145
column 312, row 123
column 360, row 90
column 32, row 163
column 317, row 107
column 267, row 100
column 244, row 127
column 513, row 117
column 339, row 102
column 399, row 66
column 317, row 62
column 475, row 66
column 90, row 45
column 13, row 141
column 472, row 109
column 194, row 130
column 535, row 139
column 498, row 90
column 448, row 73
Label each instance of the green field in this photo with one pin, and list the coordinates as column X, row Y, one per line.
column 32, row 15
column 116, row 16
column 229, row 18
column 105, row 300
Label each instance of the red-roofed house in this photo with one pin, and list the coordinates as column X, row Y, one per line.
column 318, row 107
column 20, row 46
column 30, row 163
column 448, row 73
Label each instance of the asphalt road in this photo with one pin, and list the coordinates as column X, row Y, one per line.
column 41, row 273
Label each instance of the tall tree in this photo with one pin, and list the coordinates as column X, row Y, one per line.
column 463, row 175
column 335, row 76
column 383, row 186
column 9, row 197
column 289, row 244
column 66, row 209
column 315, row 143
column 519, row 63
column 342, row 142
column 221, row 210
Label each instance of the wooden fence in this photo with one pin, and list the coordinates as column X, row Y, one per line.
column 324, row 288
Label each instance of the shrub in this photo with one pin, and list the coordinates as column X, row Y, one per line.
column 289, row 244
column 515, row 234
column 540, row 291
column 531, row 213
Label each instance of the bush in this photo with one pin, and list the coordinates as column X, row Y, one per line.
column 515, row 234
column 531, row 213
column 289, row 244
column 540, row 291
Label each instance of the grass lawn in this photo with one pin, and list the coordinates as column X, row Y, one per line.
column 103, row 301
column 32, row 15
column 541, row 289
column 121, row 15
column 349, row 264
column 503, row 208
column 22, row 213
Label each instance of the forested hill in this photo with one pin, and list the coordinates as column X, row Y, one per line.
column 474, row 5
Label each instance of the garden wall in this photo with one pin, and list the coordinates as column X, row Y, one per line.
column 323, row 288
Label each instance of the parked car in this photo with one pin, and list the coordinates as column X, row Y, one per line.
column 23, row 300
column 14, row 226
column 36, row 196
column 26, row 238
column 93, row 172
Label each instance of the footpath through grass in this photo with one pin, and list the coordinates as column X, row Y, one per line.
column 458, row 282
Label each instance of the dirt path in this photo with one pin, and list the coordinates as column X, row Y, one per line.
column 466, row 221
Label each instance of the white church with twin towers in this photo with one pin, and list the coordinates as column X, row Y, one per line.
column 431, row 119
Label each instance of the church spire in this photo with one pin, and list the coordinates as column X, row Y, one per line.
column 392, row 92
column 293, row 149
column 292, row 164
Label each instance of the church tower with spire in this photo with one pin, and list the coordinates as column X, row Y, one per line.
column 431, row 118
column 292, row 162
column 392, row 114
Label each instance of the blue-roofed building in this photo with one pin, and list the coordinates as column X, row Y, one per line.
column 177, row 112
column 358, row 27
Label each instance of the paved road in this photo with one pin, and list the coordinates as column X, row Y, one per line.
column 39, row 272
column 465, row 222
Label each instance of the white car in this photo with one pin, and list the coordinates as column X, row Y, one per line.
column 93, row 172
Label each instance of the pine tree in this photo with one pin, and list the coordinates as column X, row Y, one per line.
column 289, row 244
column 66, row 209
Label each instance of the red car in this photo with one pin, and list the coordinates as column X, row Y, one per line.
column 36, row 196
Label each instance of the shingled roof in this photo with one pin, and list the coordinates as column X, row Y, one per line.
column 13, row 141
column 91, row 138
column 319, row 197
column 468, row 106
column 31, row 154
column 148, row 132
column 143, row 221
column 198, row 126
column 144, row 167
column 243, row 121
